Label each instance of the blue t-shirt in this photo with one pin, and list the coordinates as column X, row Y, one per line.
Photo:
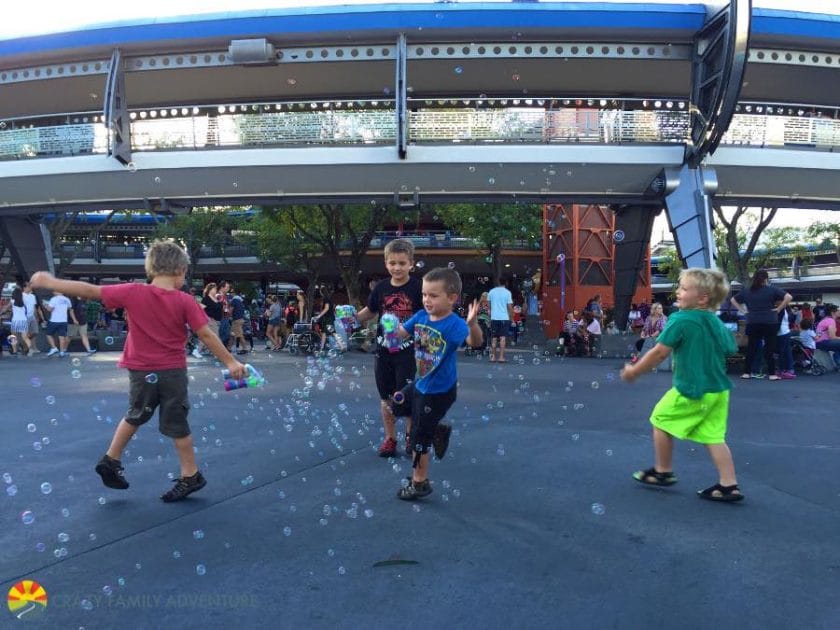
column 237, row 306
column 435, row 344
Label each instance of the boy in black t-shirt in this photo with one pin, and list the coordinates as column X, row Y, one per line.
column 400, row 295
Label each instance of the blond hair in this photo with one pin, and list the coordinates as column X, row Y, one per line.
column 449, row 277
column 709, row 281
column 166, row 258
column 399, row 246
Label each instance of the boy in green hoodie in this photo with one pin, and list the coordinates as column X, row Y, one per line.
column 697, row 406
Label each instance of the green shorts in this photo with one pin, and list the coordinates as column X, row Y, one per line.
column 701, row 420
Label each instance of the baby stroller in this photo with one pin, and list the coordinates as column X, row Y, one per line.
column 484, row 348
column 803, row 359
column 304, row 339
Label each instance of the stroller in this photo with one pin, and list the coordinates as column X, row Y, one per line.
column 304, row 339
column 803, row 359
column 484, row 349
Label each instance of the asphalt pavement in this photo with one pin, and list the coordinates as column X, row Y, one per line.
column 534, row 522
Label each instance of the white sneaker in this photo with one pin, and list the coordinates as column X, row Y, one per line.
column 52, row 352
column 196, row 353
column 91, row 352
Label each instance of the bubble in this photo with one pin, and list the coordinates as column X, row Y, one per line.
column 595, row 385
column 45, row 440
column 121, row 581
column 342, row 570
column 107, row 591
column 598, row 509
column 369, row 513
column 198, row 534
column 419, row 264
column 63, row 537
column 471, row 169
column 157, row 180
column 92, row 537
column 109, row 341
column 200, row 569
column 101, row 500
column 46, row 487
column 132, row 167
column 35, row 381
column 50, row 400
column 287, row 531
column 138, row 566
column 65, row 512
column 176, row 554
column 608, row 452
column 86, row 604
column 491, row 181
column 575, row 437
column 76, row 374
column 152, row 378
column 40, row 547
column 459, row 70
column 27, row 517
column 75, row 361
column 31, row 428
column 37, row 446
column 515, row 77
column 485, row 418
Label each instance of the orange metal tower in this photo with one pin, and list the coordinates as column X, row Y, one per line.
column 579, row 247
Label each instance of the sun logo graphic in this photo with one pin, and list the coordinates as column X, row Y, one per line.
column 27, row 599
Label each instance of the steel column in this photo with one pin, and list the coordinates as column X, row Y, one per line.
column 29, row 244
column 400, row 97
column 115, row 111
column 631, row 262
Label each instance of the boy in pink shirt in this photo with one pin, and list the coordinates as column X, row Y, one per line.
column 154, row 356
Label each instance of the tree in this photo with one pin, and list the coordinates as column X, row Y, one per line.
column 341, row 235
column 737, row 238
column 491, row 226
column 206, row 226
column 828, row 233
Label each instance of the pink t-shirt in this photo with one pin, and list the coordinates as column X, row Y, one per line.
column 156, row 319
column 822, row 329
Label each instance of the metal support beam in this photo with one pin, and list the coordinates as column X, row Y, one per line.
column 689, row 209
column 29, row 244
column 116, row 112
column 400, row 98
column 720, row 59
column 635, row 225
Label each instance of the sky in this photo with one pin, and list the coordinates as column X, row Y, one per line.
column 29, row 18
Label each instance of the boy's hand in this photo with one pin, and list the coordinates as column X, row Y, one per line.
column 237, row 370
column 41, row 280
column 472, row 313
column 629, row 373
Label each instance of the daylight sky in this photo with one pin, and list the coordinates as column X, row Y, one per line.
column 29, row 18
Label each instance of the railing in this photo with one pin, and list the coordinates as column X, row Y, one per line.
column 475, row 121
column 802, row 272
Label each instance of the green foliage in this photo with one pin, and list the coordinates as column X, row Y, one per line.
column 204, row 226
column 491, row 226
column 671, row 266
column 828, row 234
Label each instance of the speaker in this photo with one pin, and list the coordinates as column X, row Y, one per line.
column 250, row 51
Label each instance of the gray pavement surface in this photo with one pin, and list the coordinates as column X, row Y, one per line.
column 534, row 521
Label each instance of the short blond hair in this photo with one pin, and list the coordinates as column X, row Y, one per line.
column 399, row 246
column 166, row 258
column 709, row 281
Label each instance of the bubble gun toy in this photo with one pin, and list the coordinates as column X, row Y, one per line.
column 390, row 327
column 346, row 314
column 254, row 379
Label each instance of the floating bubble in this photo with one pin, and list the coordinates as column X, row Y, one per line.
column 40, row 547
column 342, row 570
column 575, row 437
column 459, row 70
column 75, row 361
column 595, row 385
column 107, row 591
column 35, row 381
column 31, row 427
column 515, row 77
column 200, row 569
column 608, row 452
column 598, row 509
column 50, row 400
column 157, row 180
column 132, row 167
column 419, row 264
column 369, row 513
column 176, row 554
column 152, row 378
column 121, row 581
column 76, row 374
column 27, row 517
column 109, row 341
column 451, row 264
column 37, row 446
column 91, row 537
column 46, row 487
column 198, row 534
column 86, row 604
column 65, row 512
column 101, row 500
column 491, row 181
column 287, row 531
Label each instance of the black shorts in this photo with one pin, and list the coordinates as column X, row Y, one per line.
column 393, row 370
column 499, row 327
column 427, row 410
column 168, row 390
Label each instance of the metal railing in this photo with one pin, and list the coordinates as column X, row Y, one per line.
column 473, row 121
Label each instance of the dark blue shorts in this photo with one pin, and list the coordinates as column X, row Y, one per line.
column 57, row 329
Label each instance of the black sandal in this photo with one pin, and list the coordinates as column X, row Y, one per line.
column 726, row 494
column 652, row 477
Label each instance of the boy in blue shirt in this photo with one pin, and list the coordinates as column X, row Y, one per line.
column 696, row 408
column 438, row 333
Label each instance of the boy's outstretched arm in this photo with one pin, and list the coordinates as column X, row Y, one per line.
column 364, row 315
column 45, row 280
column 654, row 357
column 476, row 336
column 214, row 345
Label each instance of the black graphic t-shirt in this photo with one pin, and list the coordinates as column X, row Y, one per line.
column 401, row 301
